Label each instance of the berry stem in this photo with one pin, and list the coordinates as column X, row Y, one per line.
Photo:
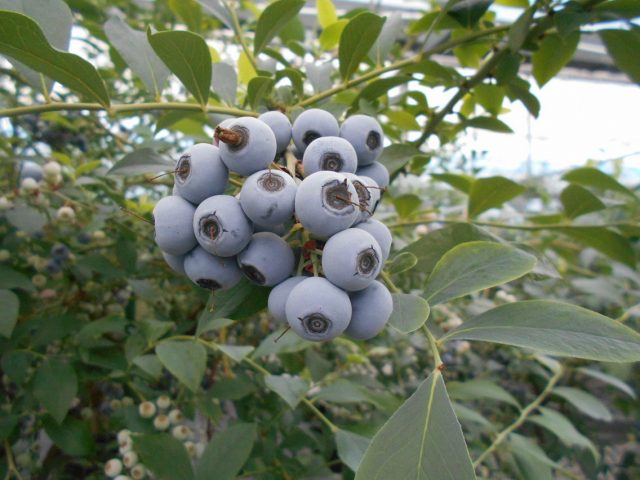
column 236, row 182
column 227, row 136
column 386, row 278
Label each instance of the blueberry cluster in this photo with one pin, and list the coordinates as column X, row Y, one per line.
column 309, row 204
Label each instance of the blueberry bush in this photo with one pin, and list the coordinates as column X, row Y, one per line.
column 238, row 240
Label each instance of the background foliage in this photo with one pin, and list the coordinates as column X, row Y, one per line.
column 93, row 322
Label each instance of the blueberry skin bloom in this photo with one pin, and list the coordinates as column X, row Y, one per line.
column 324, row 203
column 281, row 127
column 221, row 227
column 246, row 145
column 200, row 173
column 267, row 260
column 371, row 309
column 377, row 171
column 312, row 124
column 329, row 153
column 380, row 232
column 173, row 219
column 317, row 310
column 211, row 272
column 279, row 295
column 175, row 262
column 365, row 134
column 267, row 197
column 351, row 259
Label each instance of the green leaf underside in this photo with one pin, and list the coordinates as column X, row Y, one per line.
column 273, row 19
column 554, row 328
column 491, row 192
column 138, row 162
column 186, row 360
column 290, row 389
column 409, row 312
column 584, row 402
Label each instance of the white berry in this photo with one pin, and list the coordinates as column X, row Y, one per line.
column 66, row 213
column 161, row 422
column 147, row 409
column 113, row 468
column 163, row 402
column 129, row 459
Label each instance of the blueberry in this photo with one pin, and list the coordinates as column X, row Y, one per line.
column 365, row 134
column 29, row 169
column 371, row 308
column 280, row 229
column 267, row 197
column 380, row 232
column 368, row 195
column 278, row 297
column 84, row 238
column 221, row 227
column 281, row 127
column 351, row 259
column 175, row 262
column 329, row 153
column 226, row 123
column 246, row 145
column 211, row 272
column 312, row 124
column 60, row 252
column 173, row 219
column 377, row 171
column 325, row 203
column 53, row 266
column 317, row 310
column 200, row 173
column 267, row 260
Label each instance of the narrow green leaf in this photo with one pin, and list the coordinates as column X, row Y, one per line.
column 396, row 156
column 330, row 36
column 22, row 39
column 553, row 54
column 592, row 177
column 73, row 436
column 9, row 312
column 348, row 392
column 490, row 96
column 259, row 89
column 422, row 440
column 554, row 328
column 356, row 40
column 468, row 12
column 577, row 201
column 488, row 123
column 291, row 389
column 519, row 30
column 55, row 386
column 480, row 389
column 273, row 19
column 187, row 56
column 9, row 278
column 236, row 352
column 459, row 182
column 226, row 453
column 351, row 448
column 380, row 87
column 610, row 380
column 188, row 11
column 623, row 46
column 326, row 13
column 474, row 266
column 218, row 10
column 138, row 162
column 406, row 204
column 468, row 415
column 402, row 262
column 606, row 241
column 7, row 424
column 491, row 192
column 409, row 312
column 186, row 360
column 164, row 455
column 585, row 402
column 531, row 459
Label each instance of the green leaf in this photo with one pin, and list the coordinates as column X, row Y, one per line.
column 477, row 389
column 9, row 312
column 459, row 182
column 623, row 46
column 618, row 9
column 406, row 204
column 519, row 89
column 55, row 386
column 187, row 56
column 7, row 424
column 134, row 48
column 553, row 54
column 519, row 30
column 409, row 312
column 402, row 262
column 164, row 455
column 291, row 389
column 402, row 119
column 351, row 448
column 289, row 343
column 226, row 453
column 488, row 123
column 468, row 415
column 150, row 365
column 559, row 425
column 577, row 200
column 345, row 391
column 554, row 328
column 138, row 162
column 273, row 19
column 206, row 323
column 468, row 12
column 491, row 192
column 606, row 241
column 422, row 440
column 186, row 360
column 531, row 459
column 9, row 278
column 22, row 39
column 218, row 10
column 609, row 379
column 396, row 156
column 73, row 437
column 585, row 402
column 474, row 266
column 259, row 89
column 188, row 11
column 235, row 352
column 241, row 302
column 380, row 87
column 356, row 40
column 391, row 30
column 330, row 36
column 490, row 97
column 224, row 81
column 592, row 177
column 326, row 13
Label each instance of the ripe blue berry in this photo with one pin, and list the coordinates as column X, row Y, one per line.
column 365, row 134
column 352, row 259
column 200, row 173
column 368, row 195
column 221, row 227
column 280, row 229
column 317, row 310
column 377, row 171
column 29, row 169
column 175, row 262
column 371, row 309
column 325, row 203
column 329, row 153
column 267, row 197
column 380, row 232
column 60, row 252
column 267, row 260
column 211, row 272
column 246, row 145
column 173, row 219
column 281, row 126
column 312, row 124
column 279, row 295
